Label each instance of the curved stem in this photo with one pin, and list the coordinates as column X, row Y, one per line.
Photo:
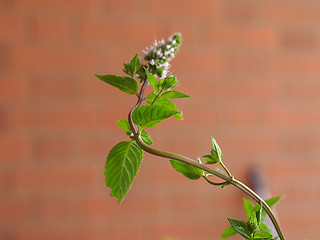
column 229, row 179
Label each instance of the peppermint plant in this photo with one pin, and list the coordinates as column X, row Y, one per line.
column 124, row 159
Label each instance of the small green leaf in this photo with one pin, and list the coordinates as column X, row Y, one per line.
column 122, row 165
column 175, row 94
column 146, row 137
column 153, row 81
column 252, row 224
column 125, row 84
column 248, row 207
column 133, row 67
column 149, row 116
column 168, row 82
column 209, row 159
column 135, row 64
column 187, row 170
column 263, row 235
column 124, row 124
column 216, row 153
column 240, row 227
column 271, row 202
column 258, row 214
column 228, row 232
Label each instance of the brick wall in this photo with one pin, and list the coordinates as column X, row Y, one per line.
column 252, row 67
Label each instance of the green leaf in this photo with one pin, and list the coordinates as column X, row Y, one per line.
column 252, row 224
column 149, row 116
column 133, row 67
column 240, row 227
column 146, row 137
column 263, row 235
column 125, row 84
column 150, row 98
column 187, row 170
column 168, row 82
column 271, row 202
column 228, row 232
column 248, row 207
column 175, row 94
column 124, row 124
column 209, row 159
column 153, row 81
column 258, row 214
column 165, row 102
column 122, row 166
column 216, row 153
column 265, row 228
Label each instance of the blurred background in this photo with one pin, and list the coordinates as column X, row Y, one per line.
column 252, row 68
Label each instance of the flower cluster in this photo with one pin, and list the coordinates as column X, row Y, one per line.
column 159, row 55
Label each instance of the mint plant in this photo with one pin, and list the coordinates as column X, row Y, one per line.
column 124, row 159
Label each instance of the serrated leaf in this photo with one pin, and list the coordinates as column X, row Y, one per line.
column 124, row 124
column 228, row 232
column 125, row 84
column 122, row 166
column 249, row 208
column 187, row 170
column 216, row 153
column 175, row 94
column 153, row 81
column 263, row 235
column 149, row 116
column 240, row 227
column 146, row 137
column 165, row 102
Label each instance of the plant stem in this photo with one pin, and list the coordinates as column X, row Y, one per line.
column 229, row 179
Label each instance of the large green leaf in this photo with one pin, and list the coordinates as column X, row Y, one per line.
column 187, row 170
column 240, row 227
column 175, row 94
column 149, row 116
column 125, row 84
column 122, row 166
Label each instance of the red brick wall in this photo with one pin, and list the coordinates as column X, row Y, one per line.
column 253, row 69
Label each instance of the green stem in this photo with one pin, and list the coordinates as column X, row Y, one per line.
column 225, row 168
column 229, row 179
